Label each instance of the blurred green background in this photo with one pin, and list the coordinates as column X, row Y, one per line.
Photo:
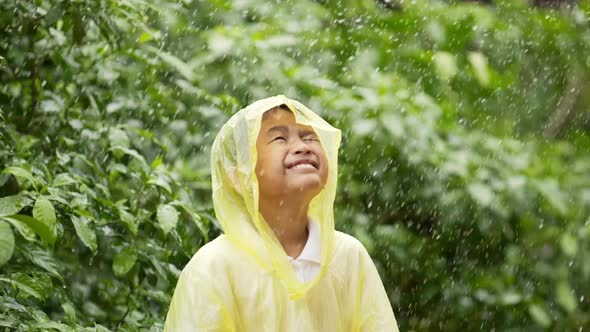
column 464, row 167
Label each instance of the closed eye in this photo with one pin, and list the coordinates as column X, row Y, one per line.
column 278, row 138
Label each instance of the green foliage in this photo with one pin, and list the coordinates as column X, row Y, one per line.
column 475, row 219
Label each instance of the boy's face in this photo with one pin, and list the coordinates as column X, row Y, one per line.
column 290, row 157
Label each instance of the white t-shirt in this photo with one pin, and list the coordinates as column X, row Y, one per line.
column 307, row 265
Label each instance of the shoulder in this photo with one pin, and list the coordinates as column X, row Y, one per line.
column 347, row 242
column 348, row 248
column 213, row 257
column 350, row 261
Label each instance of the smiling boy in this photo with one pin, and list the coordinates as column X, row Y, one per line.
column 280, row 266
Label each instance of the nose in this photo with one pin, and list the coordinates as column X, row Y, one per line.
column 301, row 147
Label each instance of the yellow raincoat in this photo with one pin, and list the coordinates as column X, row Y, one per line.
column 243, row 280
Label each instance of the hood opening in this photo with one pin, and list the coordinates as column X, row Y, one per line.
column 235, row 189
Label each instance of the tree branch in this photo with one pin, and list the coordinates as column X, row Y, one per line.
column 565, row 107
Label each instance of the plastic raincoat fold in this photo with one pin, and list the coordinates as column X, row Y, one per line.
column 243, row 280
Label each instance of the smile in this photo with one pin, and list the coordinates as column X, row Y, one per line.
column 303, row 166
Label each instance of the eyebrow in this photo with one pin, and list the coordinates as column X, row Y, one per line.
column 306, row 132
column 281, row 129
column 284, row 130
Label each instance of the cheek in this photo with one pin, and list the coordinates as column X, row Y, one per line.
column 324, row 165
column 269, row 164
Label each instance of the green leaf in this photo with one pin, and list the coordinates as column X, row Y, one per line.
column 84, row 232
column 78, row 28
column 157, row 295
column 50, row 325
column 10, row 302
column 124, row 261
column 160, row 181
column 54, row 14
column 21, row 172
column 44, row 212
column 148, row 35
column 510, row 298
column 42, row 258
column 39, row 282
column 167, row 217
column 93, row 310
column 539, row 315
column 158, row 265
column 196, row 218
column 181, row 67
column 10, row 205
column 133, row 153
column 129, row 219
column 63, row 179
column 23, row 287
column 100, row 328
column 118, row 137
column 550, row 190
column 157, row 162
column 69, row 311
column 445, row 65
column 25, row 231
column 481, row 193
column 568, row 244
column 47, row 234
column 565, row 297
column 6, row 242
column 480, row 68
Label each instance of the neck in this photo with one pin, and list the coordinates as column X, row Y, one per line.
column 287, row 217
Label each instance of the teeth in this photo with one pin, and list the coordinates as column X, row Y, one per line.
column 303, row 166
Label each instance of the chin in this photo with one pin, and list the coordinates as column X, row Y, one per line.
column 308, row 186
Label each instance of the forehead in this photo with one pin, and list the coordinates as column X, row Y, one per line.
column 279, row 113
column 280, row 116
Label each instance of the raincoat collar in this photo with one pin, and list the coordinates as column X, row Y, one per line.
column 312, row 249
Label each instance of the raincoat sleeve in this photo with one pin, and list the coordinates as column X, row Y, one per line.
column 376, row 311
column 200, row 302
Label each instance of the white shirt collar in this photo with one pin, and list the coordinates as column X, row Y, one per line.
column 311, row 252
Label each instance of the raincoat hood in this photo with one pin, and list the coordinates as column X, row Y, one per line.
column 235, row 190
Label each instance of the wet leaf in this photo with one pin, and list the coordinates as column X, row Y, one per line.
column 44, row 212
column 124, row 261
column 25, row 231
column 69, row 311
column 481, row 193
column 480, row 68
column 445, row 64
column 84, row 232
column 130, row 220
column 118, row 138
column 167, row 217
column 569, row 244
column 23, row 287
column 22, row 173
column 63, row 179
column 10, row 205
column 46, row 233
column 565, row 297
column 161, row 182
column 539, row 315
column 6, row 243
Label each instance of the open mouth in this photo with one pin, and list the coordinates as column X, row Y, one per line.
column 303, row 165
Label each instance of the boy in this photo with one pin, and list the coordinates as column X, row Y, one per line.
column 280, row 266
